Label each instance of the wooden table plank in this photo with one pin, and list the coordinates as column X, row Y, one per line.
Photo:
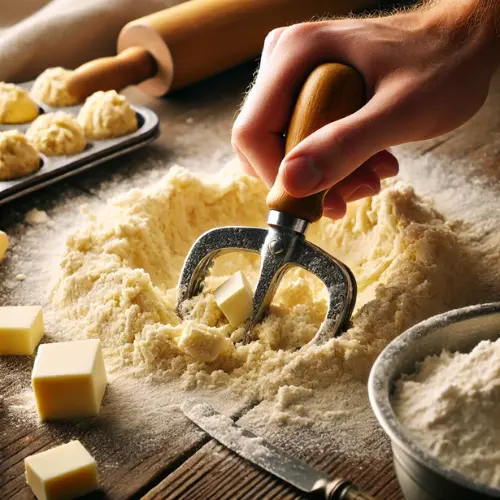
column 215, row 472
column 125, row 470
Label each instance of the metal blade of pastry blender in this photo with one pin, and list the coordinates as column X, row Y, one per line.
column 331, row 92
column 269, row 457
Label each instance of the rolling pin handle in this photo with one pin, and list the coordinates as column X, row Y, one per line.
column 130, row 67
column 332, row 91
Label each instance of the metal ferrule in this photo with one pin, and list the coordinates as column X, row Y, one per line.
column 286, row 221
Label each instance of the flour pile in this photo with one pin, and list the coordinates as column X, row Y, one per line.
column 119, row 273
column 450, row 406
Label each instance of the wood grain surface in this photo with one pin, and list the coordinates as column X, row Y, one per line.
column 188, row 464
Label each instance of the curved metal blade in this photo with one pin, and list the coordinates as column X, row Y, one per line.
column 280, row 249
column 207, row 248
column 283, row 249
column 341, row 287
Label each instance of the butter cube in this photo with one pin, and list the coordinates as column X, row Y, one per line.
column 234, row 297
column 202, row 342
column 69, row 379
column 21, row 329
column 64, row 472
column 4, row 244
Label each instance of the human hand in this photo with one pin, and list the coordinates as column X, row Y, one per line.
column 426, row 72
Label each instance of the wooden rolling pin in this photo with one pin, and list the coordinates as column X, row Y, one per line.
column 194, row 40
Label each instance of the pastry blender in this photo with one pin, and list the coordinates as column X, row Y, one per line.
column 331, row 92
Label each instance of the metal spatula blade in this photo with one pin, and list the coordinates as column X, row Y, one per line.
column 331, row 92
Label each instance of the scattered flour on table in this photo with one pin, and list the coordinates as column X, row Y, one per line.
column 451, row 407
column 313, row 423
column 119, row 273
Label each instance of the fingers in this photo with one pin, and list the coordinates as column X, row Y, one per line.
column 332, row 155
column 289, row 57
column 363, row 177
column 335, row 206
column 269, row 44
column 363, row 182
column 384, row 164
column 246, row 166
column 336, row 150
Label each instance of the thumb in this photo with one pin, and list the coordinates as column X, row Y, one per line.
column 336, row 150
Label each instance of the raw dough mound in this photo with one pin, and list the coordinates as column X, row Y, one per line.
column 57, row 134
column 16, row 106
column 107, row 114
column 119, row 275
column 50, row 88
column 17, row 156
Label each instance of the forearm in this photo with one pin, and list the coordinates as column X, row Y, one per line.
column 477, row 21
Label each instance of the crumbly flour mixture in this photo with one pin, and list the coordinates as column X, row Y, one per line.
column 451, row 407
column 119, row 273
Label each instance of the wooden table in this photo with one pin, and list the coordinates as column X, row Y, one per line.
column 196, row 125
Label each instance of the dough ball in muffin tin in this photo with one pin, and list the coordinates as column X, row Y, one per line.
column 16, row 105
column 106, row 115
column 50, row 88
column 52, row 143
column 56, row 134
column 17, row 156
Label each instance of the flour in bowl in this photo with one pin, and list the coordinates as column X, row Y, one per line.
column 451, row 406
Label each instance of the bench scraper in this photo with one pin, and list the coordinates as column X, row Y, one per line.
column 332, row 91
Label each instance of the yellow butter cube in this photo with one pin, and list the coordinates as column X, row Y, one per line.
column 234, row 297
column 202, row 342
column 69, row 379
column 64, row 472
column 21, row 329
column 4, row 244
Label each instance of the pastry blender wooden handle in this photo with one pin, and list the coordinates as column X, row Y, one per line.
column 332, row 91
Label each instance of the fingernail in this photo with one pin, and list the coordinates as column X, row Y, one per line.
column 335, row 213
column 364, row 191
column 301, row 176
column 384, row 171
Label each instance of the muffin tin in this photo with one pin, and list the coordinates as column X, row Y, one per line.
column 55, row 168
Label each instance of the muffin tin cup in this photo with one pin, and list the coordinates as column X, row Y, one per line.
column 55, row 168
